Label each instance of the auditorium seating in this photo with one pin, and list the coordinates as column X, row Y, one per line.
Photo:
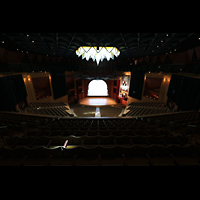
column 164, row 140
column 48, row 108
column 145, row 108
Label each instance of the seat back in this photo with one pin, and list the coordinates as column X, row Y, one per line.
column 37, row 152
column 18, row 152
column 108, row 152
column 89, row 152
column 56, row 152
column 71, row 152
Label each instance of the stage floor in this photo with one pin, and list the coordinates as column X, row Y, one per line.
column 97, row 101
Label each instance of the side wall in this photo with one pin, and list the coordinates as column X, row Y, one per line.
column 163, row 89
column 31, row 92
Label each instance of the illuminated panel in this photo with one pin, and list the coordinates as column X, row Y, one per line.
column 100, row 54
column 97, row 88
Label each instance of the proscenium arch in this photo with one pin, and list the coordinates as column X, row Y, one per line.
column 97, row 88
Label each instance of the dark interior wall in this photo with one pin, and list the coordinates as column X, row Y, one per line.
column 12, row 92
column 184, row 91
column 58, row 85
column 152, row 87
column 153, row 83
column 69, row 79
column 41, row 86
column 136, row 85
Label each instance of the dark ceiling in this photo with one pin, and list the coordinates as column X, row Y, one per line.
column 131, row 45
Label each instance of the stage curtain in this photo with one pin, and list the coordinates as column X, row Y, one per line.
column 18, row 87
column 7, row 95
column 12, row 92
column 136, row 85
column 58, row 85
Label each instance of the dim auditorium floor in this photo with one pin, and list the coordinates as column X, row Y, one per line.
column 164, row 140
column 105, row 111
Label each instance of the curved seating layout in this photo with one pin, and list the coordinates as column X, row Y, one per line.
column 167, row 140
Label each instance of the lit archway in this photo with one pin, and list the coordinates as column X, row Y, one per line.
column 97, row 88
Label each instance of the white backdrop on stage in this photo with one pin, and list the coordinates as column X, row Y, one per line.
column 97, row 88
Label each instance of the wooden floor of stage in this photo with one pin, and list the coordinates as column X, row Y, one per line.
column 97, row 101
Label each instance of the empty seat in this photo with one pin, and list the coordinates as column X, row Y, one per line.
column 71, row 152
column 42, row 141
column 88, row 156
column 55, row 152
column 12, row 156
column 129, row 132
column 19, row 141
column 36, row 156
column 104, row 133
column 3, row 131
column 67, row 133
column 93, row 133
column 152, row 132
column 172, row 155
column 37, row 152
column 109, row 156
column 77, row 140
column 134, row 155
column 90, row 141
column 107, row 140
column 123, row 140
column 56, row 133
column 139, row 140
column 116, row 132
column 81, row 133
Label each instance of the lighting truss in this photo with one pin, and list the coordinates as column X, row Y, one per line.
column 88, row 52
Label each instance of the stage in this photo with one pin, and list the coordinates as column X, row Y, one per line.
column 98, row 101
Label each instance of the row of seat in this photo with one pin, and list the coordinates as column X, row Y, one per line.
column 101, row 155
column 147, row 104
column 53, row 111
column 46, row 104
column 149, row 126
column 143, row 108
column 123, row 136
column 86, row 132
column 33, row 142
column 9, row 118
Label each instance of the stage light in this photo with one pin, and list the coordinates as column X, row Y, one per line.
column 29, row 78
column 97, row 54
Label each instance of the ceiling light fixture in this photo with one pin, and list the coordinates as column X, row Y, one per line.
column 97, row 53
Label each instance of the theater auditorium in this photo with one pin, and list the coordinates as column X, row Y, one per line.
column 99, row 99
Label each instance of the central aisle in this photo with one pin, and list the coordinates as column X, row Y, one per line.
column 97, row 113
